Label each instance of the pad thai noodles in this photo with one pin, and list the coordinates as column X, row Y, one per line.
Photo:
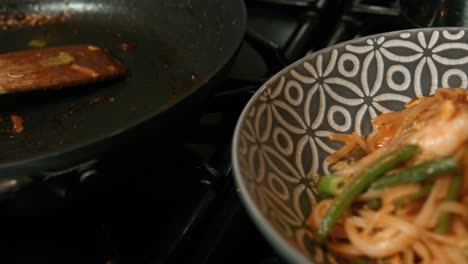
column 400, row 193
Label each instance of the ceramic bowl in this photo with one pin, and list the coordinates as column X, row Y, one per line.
column 280, row 141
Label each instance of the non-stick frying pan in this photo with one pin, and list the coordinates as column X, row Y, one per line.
column 173, row 49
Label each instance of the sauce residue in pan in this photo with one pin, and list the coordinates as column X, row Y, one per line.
column 95, row 100
column 37, row 43
column 191, row 80
column 18, row 123
column 31, row 19
column 127, row 46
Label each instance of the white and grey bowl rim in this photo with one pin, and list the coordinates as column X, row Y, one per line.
column 285, row 250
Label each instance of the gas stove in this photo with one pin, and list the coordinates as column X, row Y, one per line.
column 147, row 204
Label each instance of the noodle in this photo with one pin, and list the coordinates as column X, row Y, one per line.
column 459, row 227
column 342, row 152
column 408, row 256
column 404, row 223
column 455, row 256
column 422, row 252
column 381, row 247
column 392, row 194
column 345, row 249
column 426, row 217
column 455, row 208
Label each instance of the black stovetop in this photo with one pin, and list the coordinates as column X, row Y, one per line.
column 179, row 204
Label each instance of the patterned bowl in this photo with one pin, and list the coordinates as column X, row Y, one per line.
column 280, row 141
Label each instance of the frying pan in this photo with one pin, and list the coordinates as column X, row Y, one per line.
column 178, row 50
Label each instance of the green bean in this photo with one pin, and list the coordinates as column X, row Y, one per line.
column 416, row 173
column 443, row 223
column 414, row 197
column 331, row 184
column 358, row 184
column 374, row 204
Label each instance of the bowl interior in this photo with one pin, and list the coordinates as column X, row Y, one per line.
column 280, row 142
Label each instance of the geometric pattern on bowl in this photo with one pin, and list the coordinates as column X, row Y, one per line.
column 280, row 141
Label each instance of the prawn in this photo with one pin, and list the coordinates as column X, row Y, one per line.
column 438, row 124
column 442, row 127
column 443, row 136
